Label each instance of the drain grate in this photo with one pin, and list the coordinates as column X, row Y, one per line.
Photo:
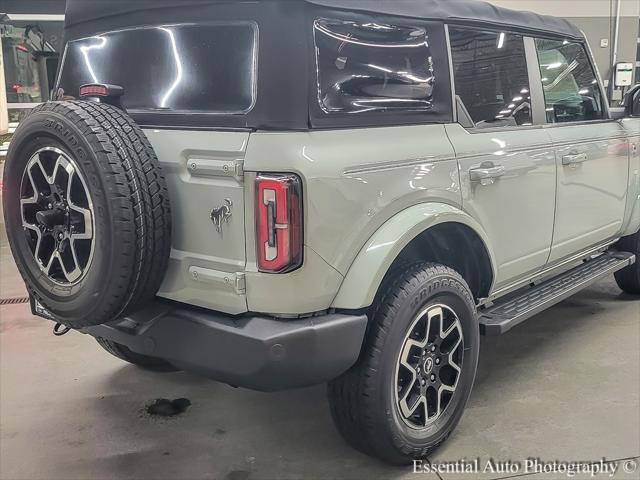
column 13, row 301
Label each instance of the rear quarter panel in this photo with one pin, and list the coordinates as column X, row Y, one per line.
column 354, row 180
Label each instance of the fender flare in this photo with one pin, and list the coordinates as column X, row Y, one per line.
column 365, row 274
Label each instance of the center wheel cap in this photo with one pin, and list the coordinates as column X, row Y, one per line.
column 428, row 365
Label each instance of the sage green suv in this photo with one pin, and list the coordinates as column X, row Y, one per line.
column 276, row 194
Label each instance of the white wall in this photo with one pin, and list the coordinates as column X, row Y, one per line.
column 573, row 8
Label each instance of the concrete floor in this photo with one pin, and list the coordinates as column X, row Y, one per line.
column 563, row 386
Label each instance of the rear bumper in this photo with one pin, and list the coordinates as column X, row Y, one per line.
column 260, row 353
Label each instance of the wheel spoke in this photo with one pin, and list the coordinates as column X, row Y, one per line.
column 444, row 334
column 74, row 273
column 38, row 163
column 87, row 234
column 36, row 249
column 61, row 163
column 452, row 362
column 443, row 388
column 49, row 264
column 407, row 410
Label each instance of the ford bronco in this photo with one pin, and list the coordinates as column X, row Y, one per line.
column 276, row 194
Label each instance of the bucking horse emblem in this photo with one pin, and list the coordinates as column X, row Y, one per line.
column 220, row 215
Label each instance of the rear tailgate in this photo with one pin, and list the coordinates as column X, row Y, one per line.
column 175, row 74
column 204, row 173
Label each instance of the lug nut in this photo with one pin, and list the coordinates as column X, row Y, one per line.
column 433, row 348
column 437, row 361
column 423, row 382
column 433, row 377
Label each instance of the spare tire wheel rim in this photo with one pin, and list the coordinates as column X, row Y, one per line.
column 429, row 366
column 57, row 216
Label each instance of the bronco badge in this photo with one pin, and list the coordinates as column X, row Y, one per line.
column 220, row 215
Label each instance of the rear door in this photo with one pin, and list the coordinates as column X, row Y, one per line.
column 173, row 72
column 507, row 168
column 592, row 152
column 206, row 187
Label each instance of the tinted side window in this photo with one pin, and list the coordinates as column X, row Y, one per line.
column 570, row 87
column 491, row 79
column 173, row 68
column 372, row 67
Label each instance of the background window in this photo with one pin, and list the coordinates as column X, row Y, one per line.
column 570, row 86
column 491, row 79
column 372, row 67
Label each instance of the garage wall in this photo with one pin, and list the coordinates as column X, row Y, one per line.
column 33, row 6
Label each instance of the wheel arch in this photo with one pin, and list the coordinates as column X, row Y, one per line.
column 427, row 232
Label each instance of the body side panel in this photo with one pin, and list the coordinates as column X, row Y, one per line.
column 309, row 289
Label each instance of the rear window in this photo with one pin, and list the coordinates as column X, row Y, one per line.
column 369, row 67
column 207, row 68
column 491, row 77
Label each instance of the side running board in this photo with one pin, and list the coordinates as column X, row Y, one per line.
column 521, row 305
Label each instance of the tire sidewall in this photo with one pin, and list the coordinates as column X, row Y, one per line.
column 48, row 129
column 434, row 291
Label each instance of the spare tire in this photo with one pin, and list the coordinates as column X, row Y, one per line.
column 86, row 211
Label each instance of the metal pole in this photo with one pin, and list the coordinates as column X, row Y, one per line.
column 617, row 34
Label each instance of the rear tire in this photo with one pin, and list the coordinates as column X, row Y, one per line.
column 373, row 403
column 628, row 279
column 144, row 361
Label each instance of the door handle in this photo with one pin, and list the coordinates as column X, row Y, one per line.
column 573, row 159
column 482, row 173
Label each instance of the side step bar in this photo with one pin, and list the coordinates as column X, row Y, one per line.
column 521, row 305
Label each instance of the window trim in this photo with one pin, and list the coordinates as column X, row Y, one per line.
column 538, row 105
column 452, row 80
column 534, row 101
column 605, row 102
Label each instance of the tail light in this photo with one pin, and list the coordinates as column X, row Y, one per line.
column 106, row 93
column 278, row 222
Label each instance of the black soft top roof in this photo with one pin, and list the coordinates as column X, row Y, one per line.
column 286, row 96
column 101, row 12
column 453, row 11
